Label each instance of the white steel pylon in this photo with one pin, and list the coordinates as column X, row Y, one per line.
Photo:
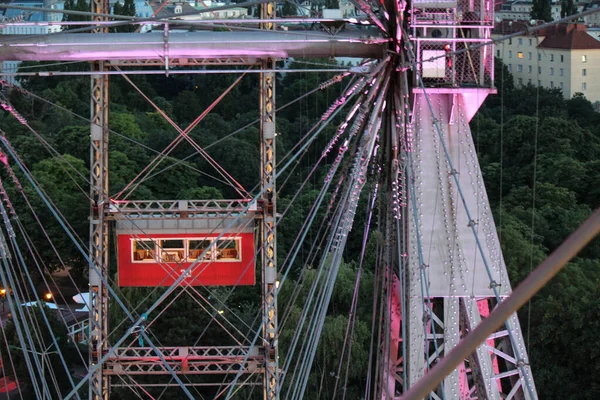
column 455, row 271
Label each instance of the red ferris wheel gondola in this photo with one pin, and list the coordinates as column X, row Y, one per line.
column 159, row 241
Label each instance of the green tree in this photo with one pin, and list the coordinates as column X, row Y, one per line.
column 200, row 193
column 288, row 9
column 117, row 10
column 128, row 9
column 75, row 5
column 332, row 4
column 541, row 10
column 45, row 348
column 563, row 318
column 64, row 180
column 567, row 7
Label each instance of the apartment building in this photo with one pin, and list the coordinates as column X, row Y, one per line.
column 19, row 22
column 564, row 57
column 592, row 19
column 521, row 10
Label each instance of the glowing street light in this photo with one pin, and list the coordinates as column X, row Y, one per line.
column 3, row 294
column 48, row 296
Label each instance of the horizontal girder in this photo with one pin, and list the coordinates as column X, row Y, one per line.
column 185, row 360
column 205, row 45
column 169, row 209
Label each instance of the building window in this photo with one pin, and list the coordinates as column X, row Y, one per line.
column 551, row 71
column 228, row 250
column 539, row 70
column 510, row 54
column 562, row 58
column 552, row 84
column 171, row 250
column 583, row 86
column 530, row 69
column 539, row 57
column 225, row 249
column 583, row 59
column 584, row 72
column 539, row 83
column 498, row 53
column 562, row 72
column 510, row 41
column 520, row 54
column 562, row 86
column 144, row 251
column 529, row 81
column 551, row 57
column 529, row 55
column 520, row 42
column 509, row 67
column 519, row 68
column 520, row 80
column 198, row 246
column 530, row 42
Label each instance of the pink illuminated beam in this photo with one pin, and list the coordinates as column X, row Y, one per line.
column 206, row 45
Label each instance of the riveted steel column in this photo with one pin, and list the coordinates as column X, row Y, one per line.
column 98, row 271
column 269, row 238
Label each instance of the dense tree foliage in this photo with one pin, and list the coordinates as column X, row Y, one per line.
column 539, row 154
column 542, row 183
column 76, row 5
column 541, row 10
column 127, row 8
column 567, row 7
column 45, row 347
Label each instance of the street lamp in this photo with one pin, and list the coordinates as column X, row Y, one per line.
column 3, row 294
column 48, row 296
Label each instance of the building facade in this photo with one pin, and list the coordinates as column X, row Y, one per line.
column 19, row 22
column 521, row 10
column 564, row 57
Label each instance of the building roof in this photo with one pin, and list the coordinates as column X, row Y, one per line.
column 569, row 37
column 591, row 4
column 506, row 27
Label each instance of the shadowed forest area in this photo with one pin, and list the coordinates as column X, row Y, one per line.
column 539, row 153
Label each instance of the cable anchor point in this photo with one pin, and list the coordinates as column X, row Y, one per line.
column 494, row 284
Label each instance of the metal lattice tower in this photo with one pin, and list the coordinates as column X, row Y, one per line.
column 99, row 387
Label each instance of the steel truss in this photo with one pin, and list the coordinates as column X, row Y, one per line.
column 99, row 386
column 269, row 235
column 169, row 209
column 207, row 360
column 98, row 272
column 186, row 62
column 182, row 360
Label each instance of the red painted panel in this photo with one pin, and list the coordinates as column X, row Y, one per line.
column 215, row 273
column 7, row 385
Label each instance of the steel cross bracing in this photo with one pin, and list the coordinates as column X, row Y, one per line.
column 98, row 343
column 98, row 273
column 185, row 62
column 99, row 385
column 167, row 209
column 205, row 360
column 269, row 194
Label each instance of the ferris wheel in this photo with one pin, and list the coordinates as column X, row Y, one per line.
column 396, row 138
